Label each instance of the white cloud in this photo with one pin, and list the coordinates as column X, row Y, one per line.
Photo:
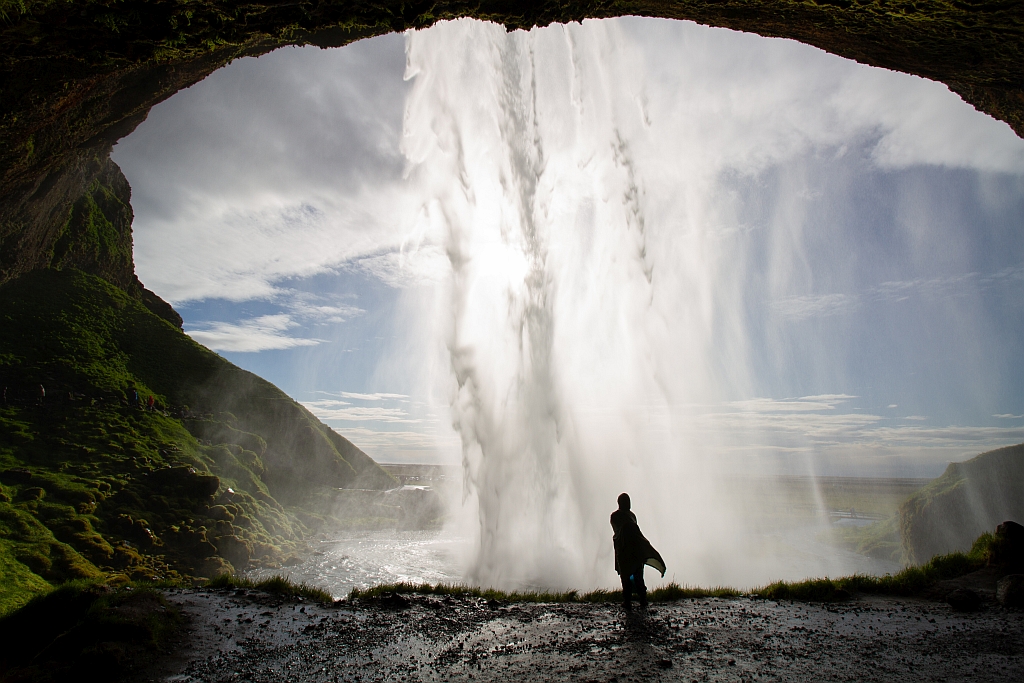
column 372, row 397
column 404, row 268
column 766, row 425
column 933, row 287
column 272, row 168
column 919, row 122
column 329, row 409
column 789, row 405
column 264, row 333
column 803, row 307
column 316, row 308
column 269, row 332
column 1008, row 416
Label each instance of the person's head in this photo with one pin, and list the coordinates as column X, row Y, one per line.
column 623, row 501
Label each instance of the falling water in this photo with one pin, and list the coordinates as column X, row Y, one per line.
column 596, row 302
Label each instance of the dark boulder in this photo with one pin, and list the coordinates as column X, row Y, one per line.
column 963, row 600
column 393, row 601
column 186, row 479
column 1008, row 547
column 1010, row 591
column 17, row 475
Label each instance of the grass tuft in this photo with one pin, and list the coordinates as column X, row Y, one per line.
column 909, row 581
column 279, row 585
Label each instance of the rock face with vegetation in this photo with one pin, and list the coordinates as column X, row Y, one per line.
column 223, row 473
column 226, row 472
column 970, row 498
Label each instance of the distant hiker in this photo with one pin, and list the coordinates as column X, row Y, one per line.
column 149, row 403
column 134, row 398
column 42, row 394
column 632, row 552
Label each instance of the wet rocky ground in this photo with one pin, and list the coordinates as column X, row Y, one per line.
column 250, row 636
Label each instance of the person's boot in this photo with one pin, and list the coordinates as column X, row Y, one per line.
column 643, row 599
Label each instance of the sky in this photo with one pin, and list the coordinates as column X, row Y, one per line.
column 687, row 242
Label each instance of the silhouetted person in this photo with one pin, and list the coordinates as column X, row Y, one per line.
column 149, row 403
column 42, row 394
column 632, row 552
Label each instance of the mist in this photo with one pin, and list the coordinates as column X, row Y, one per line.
column 624, row 255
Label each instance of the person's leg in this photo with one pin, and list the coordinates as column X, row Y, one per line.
column 627, row 589
column 641, row 587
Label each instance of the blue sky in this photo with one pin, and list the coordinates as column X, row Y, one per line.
column 833, row 254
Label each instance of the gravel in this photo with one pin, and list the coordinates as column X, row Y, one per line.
column 251, row 636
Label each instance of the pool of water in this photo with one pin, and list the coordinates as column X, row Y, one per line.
column 361, row 559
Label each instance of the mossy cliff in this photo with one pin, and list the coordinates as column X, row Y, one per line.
column 77, row 75
column 969, row 498
column 218, row 475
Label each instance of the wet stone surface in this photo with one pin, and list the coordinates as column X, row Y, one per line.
column 249, row 636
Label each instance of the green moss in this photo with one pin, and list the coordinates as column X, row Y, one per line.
column 19, row 583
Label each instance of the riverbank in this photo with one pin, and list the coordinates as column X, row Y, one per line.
column 245, row 635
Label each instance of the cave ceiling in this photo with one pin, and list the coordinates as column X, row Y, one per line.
column 77, row 76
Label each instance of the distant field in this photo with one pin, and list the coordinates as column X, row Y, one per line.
column 873, row 496
column 798, row 496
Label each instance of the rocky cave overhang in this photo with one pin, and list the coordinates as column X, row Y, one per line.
column 76, row 76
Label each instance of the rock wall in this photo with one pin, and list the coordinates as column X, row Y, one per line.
column 970, row 498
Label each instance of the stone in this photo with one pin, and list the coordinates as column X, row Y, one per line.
column 963, row 600
column 235, row 550
column 18, row 475
column 33, row 493
column 394, row 601
column 1010, row 591
column 1008, row 548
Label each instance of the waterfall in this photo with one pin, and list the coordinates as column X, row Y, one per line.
column 609, row 292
